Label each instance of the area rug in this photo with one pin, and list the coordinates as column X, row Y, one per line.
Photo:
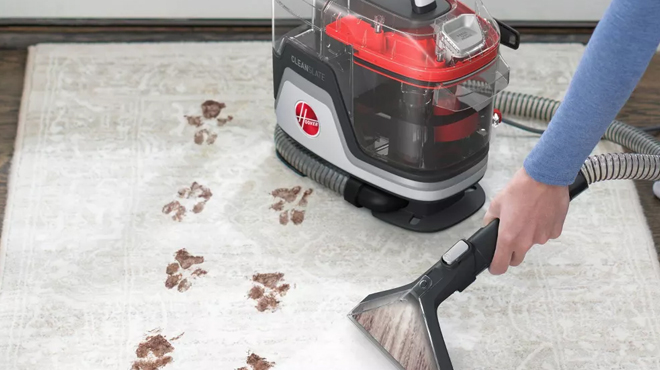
column 150, row 226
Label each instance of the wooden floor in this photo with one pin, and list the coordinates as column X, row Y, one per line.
column 12, row 69
column 643, row 108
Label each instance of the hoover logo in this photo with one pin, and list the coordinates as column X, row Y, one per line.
column 307, row 119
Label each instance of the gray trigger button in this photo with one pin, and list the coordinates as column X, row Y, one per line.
column 456, row 252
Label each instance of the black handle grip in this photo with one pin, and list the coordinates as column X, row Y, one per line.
column 579, row 185
column 508, row 35
column 484, row 241
column 462, row 269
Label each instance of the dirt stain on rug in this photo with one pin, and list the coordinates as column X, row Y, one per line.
column 192, row 198
column 212, row 109
column 204, row 135
column 179, row 273
column 291, row 204
column 288, row 195
column 153, row 353
column 175, row 209
column 303, row 200
column 256, row 362
column 187, row 260
column 256, row 292
column 297, row 216
column 269, row 280
column 204, row 124
column 267, row 289
column 173, row 280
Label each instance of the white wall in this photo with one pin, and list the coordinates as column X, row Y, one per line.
column 546, row 10
column 539, row 10
column 135, row 8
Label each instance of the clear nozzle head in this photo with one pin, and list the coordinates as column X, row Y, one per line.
column 396, row 324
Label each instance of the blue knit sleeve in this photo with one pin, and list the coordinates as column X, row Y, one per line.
column 614, row 61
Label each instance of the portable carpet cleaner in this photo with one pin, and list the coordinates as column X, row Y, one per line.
column 391, row 103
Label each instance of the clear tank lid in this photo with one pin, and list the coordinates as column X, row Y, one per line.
column 443, row 44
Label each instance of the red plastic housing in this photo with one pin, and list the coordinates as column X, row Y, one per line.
column 410, row 55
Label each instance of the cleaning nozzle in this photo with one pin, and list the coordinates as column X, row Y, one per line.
column 403, row 322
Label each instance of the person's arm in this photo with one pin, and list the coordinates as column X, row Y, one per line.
column 615, row 59
column 533, row 206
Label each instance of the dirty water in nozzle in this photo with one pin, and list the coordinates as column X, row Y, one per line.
column 400, row 329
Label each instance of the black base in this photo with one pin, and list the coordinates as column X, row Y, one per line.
column 427, row 217
column 410, row 214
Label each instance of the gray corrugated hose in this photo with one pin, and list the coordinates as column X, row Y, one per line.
column 621, row 166
column 530, row 106
column 638, row 141
column 309, row 163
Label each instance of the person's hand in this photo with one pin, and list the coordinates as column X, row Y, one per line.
column 530, row 213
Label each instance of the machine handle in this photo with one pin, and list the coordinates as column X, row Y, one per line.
column 579, row 185
column 461, row 264
column 508, row 35
column 423, row 6
column 484, row 241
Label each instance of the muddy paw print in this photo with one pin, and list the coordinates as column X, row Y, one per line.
column 256, row 362
column 180, row 274
column 192, row 198
column 286, row 204
column 154, row 352
column 204, row 124
column 267, row 289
